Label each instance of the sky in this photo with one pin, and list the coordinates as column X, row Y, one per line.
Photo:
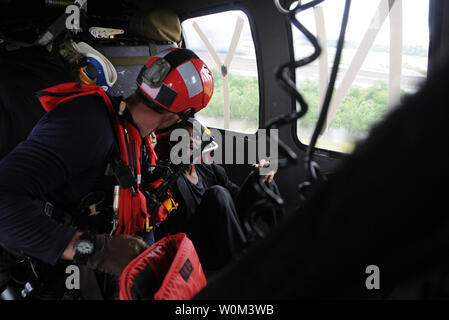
column 415, row 20
column 218, row 28
column 415, row 23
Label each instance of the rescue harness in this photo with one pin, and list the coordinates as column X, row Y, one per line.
column 130, row 201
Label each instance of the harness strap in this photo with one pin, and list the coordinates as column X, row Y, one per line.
column 133, row 213
column 55, row 213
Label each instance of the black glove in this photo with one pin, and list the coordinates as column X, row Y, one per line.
column 113, row 253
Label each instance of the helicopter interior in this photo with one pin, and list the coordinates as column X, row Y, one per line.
column 343, row 197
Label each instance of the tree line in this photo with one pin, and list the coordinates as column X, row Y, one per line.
column 361, row 108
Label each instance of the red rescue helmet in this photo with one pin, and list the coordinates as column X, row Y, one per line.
column 176, row 80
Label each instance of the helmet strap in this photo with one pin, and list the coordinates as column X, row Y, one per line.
column 184, row 116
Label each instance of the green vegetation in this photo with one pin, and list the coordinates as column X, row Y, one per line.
column 360, row 109
column 243, row 95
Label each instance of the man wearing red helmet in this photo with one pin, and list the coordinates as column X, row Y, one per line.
column 55, row 185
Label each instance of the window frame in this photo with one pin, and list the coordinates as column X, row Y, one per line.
column 294, row 130
column 256, row 42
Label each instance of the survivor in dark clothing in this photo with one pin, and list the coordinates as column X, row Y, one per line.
column 196, row 191
column 208, row 216
column 209, row 213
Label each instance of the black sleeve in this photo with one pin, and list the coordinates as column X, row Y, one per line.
column 66, row 142
column 5, row 129
column 224, row 180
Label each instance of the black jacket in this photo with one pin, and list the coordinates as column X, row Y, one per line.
column 60, row 161
column 213, row 175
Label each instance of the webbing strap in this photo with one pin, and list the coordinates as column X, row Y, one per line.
column 129, row 61
column 133, row 210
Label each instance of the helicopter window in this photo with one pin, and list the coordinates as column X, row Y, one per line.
column 384, row 59
column 224, row 41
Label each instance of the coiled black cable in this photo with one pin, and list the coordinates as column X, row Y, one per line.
column 310, row 167
column 286, row 81
column 283, row 72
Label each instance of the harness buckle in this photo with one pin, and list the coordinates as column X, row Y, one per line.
column 124, row 176
column 48, row 209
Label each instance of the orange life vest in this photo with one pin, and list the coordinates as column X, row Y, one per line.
column 132, row 215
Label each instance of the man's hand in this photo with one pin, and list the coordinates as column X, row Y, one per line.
column 69, row 251
column 263, row 164
column 112, row 253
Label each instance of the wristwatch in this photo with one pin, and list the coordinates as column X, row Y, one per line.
column 84, row 248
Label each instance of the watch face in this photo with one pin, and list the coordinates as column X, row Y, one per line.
column 84, row 247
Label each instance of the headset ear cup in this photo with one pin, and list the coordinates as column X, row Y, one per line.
column 106, row 74
column 88, row 74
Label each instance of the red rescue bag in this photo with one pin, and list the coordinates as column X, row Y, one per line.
column 168, row 270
